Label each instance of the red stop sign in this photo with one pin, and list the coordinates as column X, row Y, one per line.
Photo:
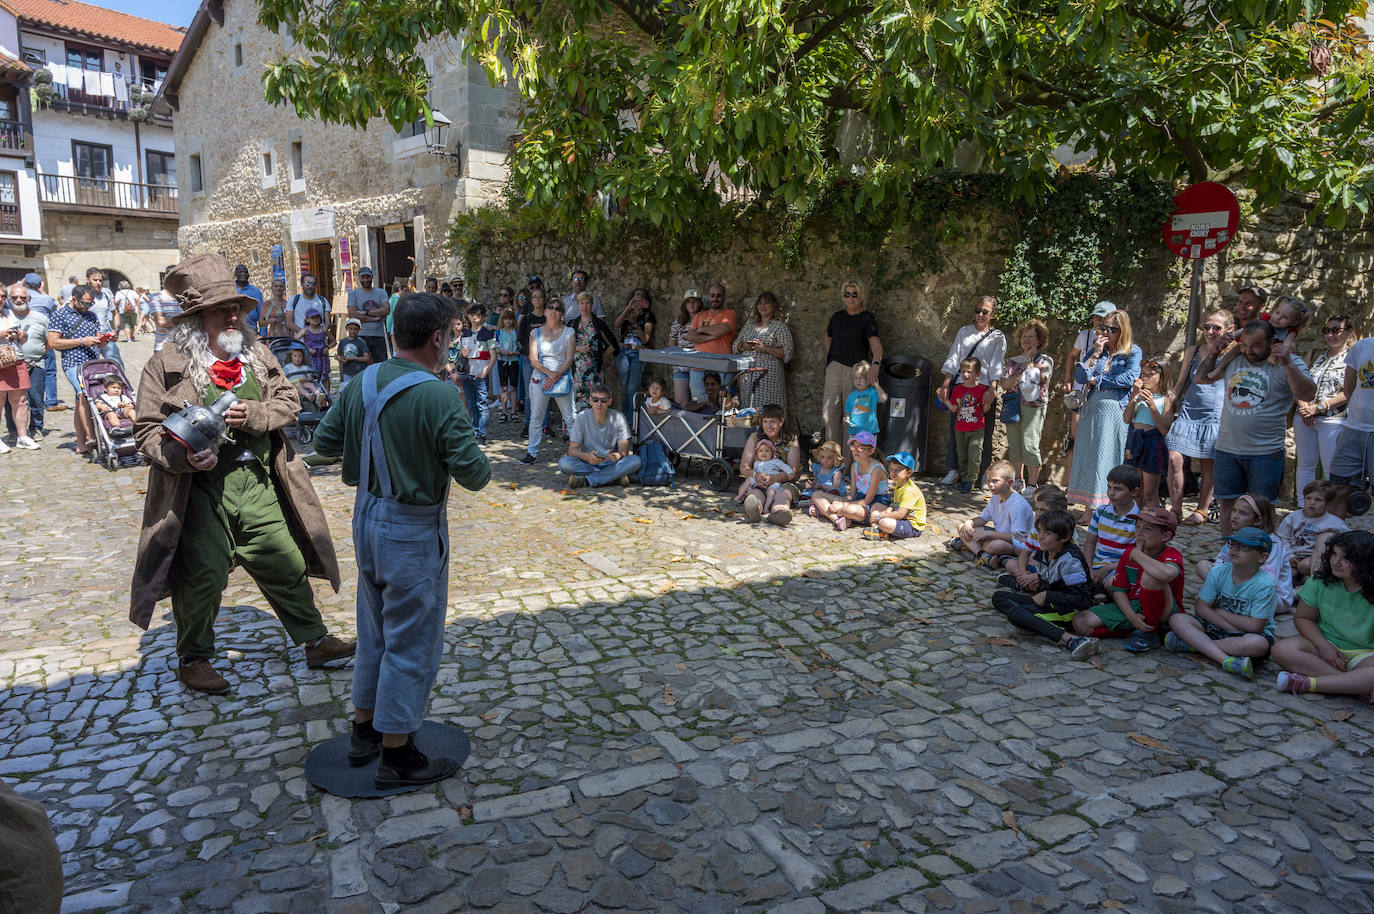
column 1204, row 220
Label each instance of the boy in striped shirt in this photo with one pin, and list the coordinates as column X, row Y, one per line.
column 1111, row 532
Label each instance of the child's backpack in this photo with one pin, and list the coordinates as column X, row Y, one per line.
column 655, row 468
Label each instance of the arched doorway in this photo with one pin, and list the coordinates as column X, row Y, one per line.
column 113, row 278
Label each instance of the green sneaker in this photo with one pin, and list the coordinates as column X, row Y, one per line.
column 1241, row 666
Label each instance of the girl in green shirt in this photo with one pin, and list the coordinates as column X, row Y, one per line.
column 1334, row 648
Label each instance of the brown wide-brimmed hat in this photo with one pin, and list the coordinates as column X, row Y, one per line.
column 205, row 281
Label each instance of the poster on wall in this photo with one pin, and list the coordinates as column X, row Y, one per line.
column 305, row 264
column 394, row 234
column 346, row 263
column 278, row 257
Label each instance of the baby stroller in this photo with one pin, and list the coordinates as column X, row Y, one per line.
column 310, row 415
column 114, row 447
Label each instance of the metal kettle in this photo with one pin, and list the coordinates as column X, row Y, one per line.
column 201, row 427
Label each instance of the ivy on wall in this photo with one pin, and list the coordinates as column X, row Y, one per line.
column 1086, row 239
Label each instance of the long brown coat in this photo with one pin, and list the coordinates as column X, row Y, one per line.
column 165, row 389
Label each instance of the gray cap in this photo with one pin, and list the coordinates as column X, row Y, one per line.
column 1103, row 308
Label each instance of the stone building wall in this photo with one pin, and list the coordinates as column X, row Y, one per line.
column 372, row 176
column 140, row 248
column 920, row 315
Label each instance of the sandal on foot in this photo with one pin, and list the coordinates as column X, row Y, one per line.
column 813, row 511
column 841, row 523
column 1194, row 519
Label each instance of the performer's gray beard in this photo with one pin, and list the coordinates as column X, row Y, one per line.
column 231, row 341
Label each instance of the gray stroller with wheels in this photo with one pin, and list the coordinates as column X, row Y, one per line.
column 114, row 445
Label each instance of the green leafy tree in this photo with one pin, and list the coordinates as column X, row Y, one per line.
column 660, row 102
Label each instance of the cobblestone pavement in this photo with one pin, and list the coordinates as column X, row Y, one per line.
column 670, row 711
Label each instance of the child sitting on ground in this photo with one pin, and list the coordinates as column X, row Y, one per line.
column 1256, row 511
column 861, row 406
column 827, row 471
column 1111, row 531
column 1147, row 576
column 115, row 406
column 1334, row 648
column 1025, row 542
column 657, row 402
column 1059, row 590
column 1302, row 530
column 907, row 515
column 1233, row 619
column 766, row 463
column 1149, row 415
column 967, row 403
column 869, row 482
column 308, row 390
column 1007, row 511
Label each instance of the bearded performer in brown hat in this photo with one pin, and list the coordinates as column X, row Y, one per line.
column 250, row 504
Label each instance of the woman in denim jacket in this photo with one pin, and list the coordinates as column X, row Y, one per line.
column 1108, row 369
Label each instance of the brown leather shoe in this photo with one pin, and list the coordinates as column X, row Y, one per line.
column 327, row 650
column 201, row 676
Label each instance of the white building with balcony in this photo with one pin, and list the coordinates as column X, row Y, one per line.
column 99, row 164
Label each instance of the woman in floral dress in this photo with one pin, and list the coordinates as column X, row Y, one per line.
column 769, row 340
column 592, row 338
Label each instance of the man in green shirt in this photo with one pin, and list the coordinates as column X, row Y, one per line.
column 400, row 532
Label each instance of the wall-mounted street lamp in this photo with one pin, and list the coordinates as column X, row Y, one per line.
column 437, row 137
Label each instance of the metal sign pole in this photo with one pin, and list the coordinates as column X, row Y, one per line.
column 1194, row 304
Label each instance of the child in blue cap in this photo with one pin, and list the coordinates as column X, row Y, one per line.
column 906, row 517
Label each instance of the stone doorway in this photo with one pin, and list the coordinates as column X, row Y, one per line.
column 321, row 255
column 395, row 259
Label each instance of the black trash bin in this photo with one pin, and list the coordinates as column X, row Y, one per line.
column 904, row 420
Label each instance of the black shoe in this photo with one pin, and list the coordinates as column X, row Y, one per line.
column 528, row 459
column 1008, row 580
column 525, row 433
column 407, row 766
column 364, row 745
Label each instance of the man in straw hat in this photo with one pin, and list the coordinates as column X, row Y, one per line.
column 207, row 511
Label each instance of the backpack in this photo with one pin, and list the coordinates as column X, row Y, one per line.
column 655, row 468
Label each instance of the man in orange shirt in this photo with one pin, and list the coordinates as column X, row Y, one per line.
column 713, row 330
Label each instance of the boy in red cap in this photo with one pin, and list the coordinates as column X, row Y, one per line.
column 1147, row 575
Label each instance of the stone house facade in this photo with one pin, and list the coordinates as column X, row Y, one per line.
column 285, row 195
column 87, row 173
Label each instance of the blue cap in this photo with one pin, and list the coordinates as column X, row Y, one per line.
column 905, row 459
column 1103, row 308
column 1253, row 538
column 864, row 438
column 33, row 280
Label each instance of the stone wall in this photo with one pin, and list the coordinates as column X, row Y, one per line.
column 141, row 248
column 920, row 315
column 368, row 176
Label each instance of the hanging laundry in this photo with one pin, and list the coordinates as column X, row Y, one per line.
column 107, row 85
column 74, row 78
column 92, row 82
column 121, row 92
column 59, row 73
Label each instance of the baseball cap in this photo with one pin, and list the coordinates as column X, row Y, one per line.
column 365, row 271
column 33, row 279
column 1103, row 308
column 905, row 459
column 1258, row 291
column 864, row 438
column 1159, row 517
column 691, row 293
column 353, row 322
column 536, row 278
column 313, row 312
column 1253, row 537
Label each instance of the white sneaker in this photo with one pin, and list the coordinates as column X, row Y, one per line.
column 949, row 478
column 4, row 448
column 26, row 443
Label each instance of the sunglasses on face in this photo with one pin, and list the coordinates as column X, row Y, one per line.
column 601, row 399
column 1213, row 328
column 1111, row 328
column 851, row 294
column 1333, row 329
column 984, row 312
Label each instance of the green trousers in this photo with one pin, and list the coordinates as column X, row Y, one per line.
column 234, row 514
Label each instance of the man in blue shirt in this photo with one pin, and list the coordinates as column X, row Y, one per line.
column 75, row 332
column 253, row 292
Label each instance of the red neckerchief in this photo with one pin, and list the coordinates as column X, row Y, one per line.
column 226, row 375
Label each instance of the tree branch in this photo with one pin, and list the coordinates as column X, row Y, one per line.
column 830, row 27
column 643, row 15
column 1198, row 169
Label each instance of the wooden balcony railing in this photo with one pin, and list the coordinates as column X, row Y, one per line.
column 103, row 193
column 13, row 136
column 10, row 223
